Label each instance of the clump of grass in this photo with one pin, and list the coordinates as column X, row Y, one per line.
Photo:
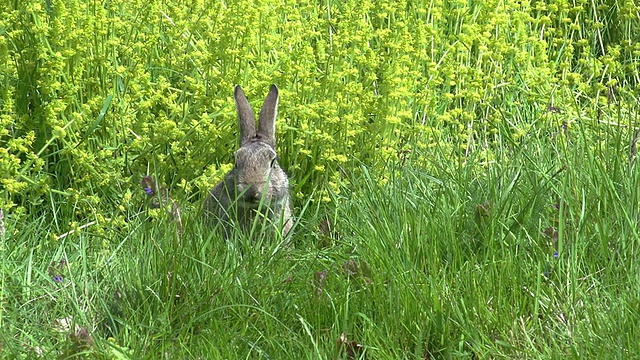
column 468, row 269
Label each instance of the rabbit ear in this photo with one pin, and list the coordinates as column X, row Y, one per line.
column 267, row 119
column 246, row 118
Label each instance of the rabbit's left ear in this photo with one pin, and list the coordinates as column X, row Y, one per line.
column 267, row 119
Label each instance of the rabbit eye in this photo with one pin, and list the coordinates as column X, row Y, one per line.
column 273, row 162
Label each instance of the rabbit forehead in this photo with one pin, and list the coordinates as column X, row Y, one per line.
column 255, row 155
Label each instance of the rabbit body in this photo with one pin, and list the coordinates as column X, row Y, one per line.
column 257, row 188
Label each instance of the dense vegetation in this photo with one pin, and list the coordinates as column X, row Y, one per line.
column 463, row 173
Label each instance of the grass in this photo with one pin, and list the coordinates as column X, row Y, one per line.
column 455, row 262
column 464, row 178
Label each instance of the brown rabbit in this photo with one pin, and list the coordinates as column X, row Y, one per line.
column 257, row 187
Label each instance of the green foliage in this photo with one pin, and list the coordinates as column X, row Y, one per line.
column 464, row 178
column 533, row 257
column 96, row 95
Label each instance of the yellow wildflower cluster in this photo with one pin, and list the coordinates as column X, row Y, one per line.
column 97, row 94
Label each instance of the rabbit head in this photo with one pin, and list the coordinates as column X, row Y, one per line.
column 258, row 175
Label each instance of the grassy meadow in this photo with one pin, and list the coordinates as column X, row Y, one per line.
column 463, row 175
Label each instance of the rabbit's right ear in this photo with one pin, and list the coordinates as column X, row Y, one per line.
column 267, row 119
column 246, row 117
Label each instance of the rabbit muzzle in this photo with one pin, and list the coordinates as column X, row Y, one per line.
column 252, row 194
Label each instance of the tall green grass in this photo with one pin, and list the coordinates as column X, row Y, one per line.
column 531, row 256
column 464, row 178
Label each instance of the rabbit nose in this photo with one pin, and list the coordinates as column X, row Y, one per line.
column 252, row 194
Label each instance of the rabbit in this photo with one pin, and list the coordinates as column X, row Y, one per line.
column 257, row 186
